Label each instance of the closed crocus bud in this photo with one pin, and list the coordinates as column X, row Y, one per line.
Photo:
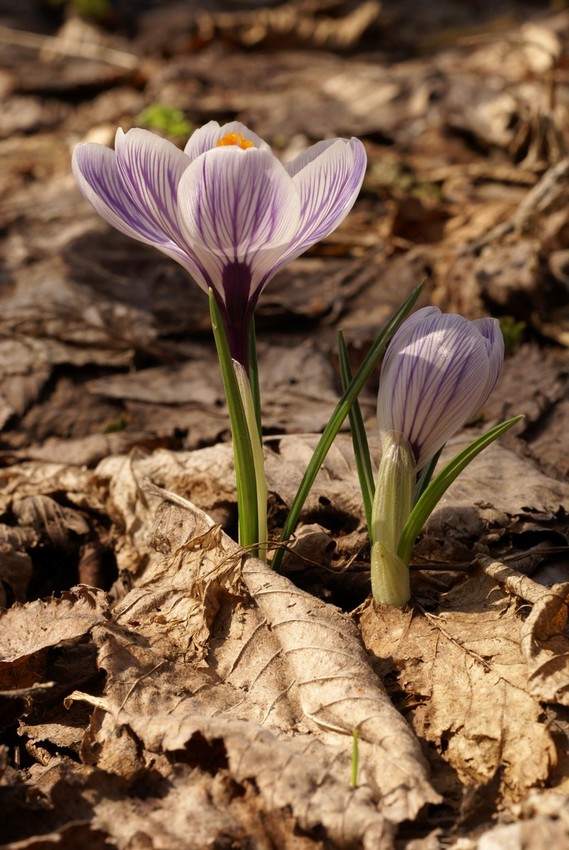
column 439, row 369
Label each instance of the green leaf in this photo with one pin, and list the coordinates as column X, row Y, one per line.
column 437, row 488
column 426, row 475
column 359, row 436
column 341, row 411
column 242, row 450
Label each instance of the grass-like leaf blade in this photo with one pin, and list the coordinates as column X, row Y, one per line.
column 340, row 412
column 359, row 436
column 439, row 485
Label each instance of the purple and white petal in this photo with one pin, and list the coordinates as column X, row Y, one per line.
column 328, row 177
column 95, row 170
column 431, row 382
column 309, row 155
column 151, row 168
column 494, row 339
column 206, row 138
column 238, row 206
column 98, row 177
column 437, row 372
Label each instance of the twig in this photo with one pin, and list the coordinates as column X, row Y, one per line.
column 81, row 50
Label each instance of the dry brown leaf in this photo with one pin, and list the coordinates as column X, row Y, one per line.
column 280, row 677
column 496, row 487
column 15, row 571
column 207, row 478
column 27, row 629
column 299, row 391
column 542, row 820
column 546, row 645
column 47, row 479
column 68, row 838
column 544, row 640
column 167, row 818
column 466, row 666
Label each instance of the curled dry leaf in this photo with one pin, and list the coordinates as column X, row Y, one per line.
column 28, row 673
column 48, row 479
column 544, row 639
column 280, row 678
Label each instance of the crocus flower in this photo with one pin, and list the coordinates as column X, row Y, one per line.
column 439, row 369
column 225, row 208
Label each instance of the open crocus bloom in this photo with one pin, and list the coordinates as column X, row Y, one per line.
column 225, row 207
column 439, row 369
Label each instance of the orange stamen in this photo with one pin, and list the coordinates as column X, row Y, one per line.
column 235, row 139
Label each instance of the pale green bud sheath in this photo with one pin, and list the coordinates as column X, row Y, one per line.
column 258, row 459
column 392, row 504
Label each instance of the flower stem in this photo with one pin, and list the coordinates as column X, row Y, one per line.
column 246, row 394
column 243, row 452
column 355, row 759
column 389, row 577
column 254, row 375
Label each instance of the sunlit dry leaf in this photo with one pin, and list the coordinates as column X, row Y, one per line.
column 544, row 639
column 47, row 479
column 27, row 629
column 269, row 660
column 496, row 488
column 82, row 451
column 544, row 822
column 466, row 666
column 206, row 477
column 169, row 817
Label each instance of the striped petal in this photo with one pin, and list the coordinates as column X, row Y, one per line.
column 490, row 331
column 437, row 372
column 151, row 169
column 328, row 177
column 238, row 207
column 231, row 214
column 206, row 137
column 95, row 170
column 99, row 179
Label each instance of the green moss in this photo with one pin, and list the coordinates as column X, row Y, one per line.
column 513, row 333
column 118, row 424
column 165, row 119
column 94, row 9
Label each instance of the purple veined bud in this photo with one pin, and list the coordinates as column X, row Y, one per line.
column 438, row 370
column 225, row 208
